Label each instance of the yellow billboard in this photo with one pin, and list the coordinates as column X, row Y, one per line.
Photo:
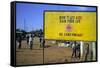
column 70, row 25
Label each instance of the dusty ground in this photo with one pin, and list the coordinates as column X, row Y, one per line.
column 52, row 54
column 26, row 56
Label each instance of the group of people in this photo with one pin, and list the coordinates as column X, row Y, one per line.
column 75, row 46
column 76, row 50
column 29, row 40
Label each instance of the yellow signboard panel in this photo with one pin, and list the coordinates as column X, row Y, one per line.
column 70, row 26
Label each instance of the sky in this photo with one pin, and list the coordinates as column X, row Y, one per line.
column 29, row 16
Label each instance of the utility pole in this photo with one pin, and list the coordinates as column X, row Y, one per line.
column 24, row 24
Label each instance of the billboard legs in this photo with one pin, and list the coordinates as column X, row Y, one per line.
column 81, row 49
column 94, row 51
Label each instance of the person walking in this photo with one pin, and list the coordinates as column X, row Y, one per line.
column 27, row 39
column 19, row 41
column 87, row 52
column 74, row 50
column 41, row 41
column 30, row 42
column 78, row 50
